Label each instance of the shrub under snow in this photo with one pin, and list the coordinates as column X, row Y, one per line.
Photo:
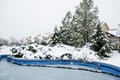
column 60, row 51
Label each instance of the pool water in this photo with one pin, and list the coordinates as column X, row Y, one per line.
column 9, row 71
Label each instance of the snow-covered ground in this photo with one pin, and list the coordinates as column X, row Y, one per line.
column 114, row 60
column 5, row 50
column 59, row 50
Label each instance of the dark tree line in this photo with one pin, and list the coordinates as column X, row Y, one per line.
column 11, row 42
column 3, row 42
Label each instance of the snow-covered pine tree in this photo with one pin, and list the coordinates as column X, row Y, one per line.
column 76, row 30
column 67, row 33
column 85, row 19
column 55, row 37
column 65, row 29
column 101, row 43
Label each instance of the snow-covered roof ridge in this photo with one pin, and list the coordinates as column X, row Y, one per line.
column 113, row 31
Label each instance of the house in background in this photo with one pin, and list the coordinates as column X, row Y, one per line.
column 38, row 38
column 113, row 36
column 105, row 27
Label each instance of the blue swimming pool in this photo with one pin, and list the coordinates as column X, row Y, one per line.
column 10, row 71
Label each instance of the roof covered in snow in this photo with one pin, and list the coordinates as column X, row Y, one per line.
column 114, row 32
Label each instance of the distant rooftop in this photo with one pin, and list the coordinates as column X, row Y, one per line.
column 113, row 31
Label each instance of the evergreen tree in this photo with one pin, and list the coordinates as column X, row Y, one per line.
column 85, row 19
column 67, row 33
column 55, row 38
column 101, row 43
column 76, row 30
column 65, row 29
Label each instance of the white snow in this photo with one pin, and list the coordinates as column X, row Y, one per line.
column 5, row 50
column 114, row 60
column 83, row 53
column 115, row 32
column 59, row 50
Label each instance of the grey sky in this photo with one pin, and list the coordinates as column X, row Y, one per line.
column 20, row 18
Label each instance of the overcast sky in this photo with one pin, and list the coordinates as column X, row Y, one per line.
column 20, row 18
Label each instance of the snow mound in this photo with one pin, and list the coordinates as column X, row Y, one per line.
column 60, row 51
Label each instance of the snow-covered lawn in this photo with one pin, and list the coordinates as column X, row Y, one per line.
column 114, row 60
column 59, row 50
column 5, row 50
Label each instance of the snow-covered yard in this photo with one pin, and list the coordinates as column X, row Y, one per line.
column 114, row 60
column 60, row 50
column 5, row 50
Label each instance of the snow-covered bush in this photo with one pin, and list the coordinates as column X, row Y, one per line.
column 59, row 51
column 66, row 56
column 85, row 55
column 14, row 50
column 16, row 53
column 48, row 57
column 43, row 43
column 23, row 47
column 32, row 49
